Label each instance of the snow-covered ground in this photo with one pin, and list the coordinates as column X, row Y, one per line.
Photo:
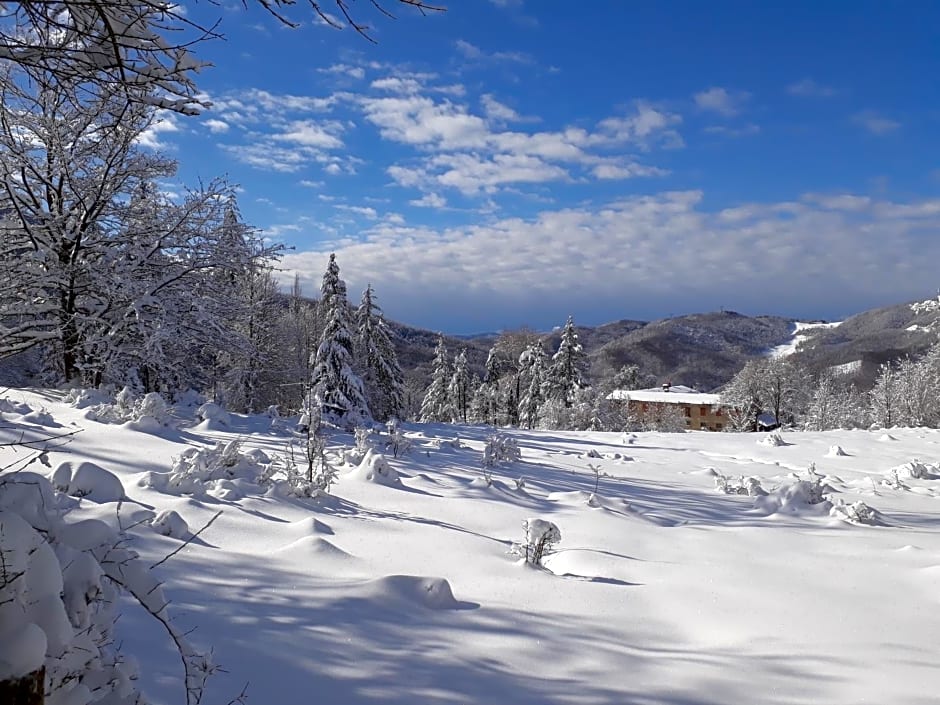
column 800, row 336
column 662, row 589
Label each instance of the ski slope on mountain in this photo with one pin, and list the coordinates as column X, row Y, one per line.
column 400, row 586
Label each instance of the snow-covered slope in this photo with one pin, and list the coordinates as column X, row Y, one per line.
column 400, row 588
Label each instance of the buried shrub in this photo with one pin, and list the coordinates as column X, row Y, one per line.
column 540, row 537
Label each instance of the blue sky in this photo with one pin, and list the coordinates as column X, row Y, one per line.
column 512, row 162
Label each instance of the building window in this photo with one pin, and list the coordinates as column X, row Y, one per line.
column 718, row 427
column 687, row 410
column 718, row 411
column 703, row 411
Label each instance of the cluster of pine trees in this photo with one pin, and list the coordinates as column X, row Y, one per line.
column 521, row 386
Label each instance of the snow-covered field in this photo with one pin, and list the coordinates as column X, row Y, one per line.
column 662, row 589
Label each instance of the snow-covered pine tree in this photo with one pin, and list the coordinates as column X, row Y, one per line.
column 382, row 376
column 532, row 369
column 334, row 382
column 243, row 371
column 566, row 374
column 437, row 404
column 461, row 382
column 486, row 398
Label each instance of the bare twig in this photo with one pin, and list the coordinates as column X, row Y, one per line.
column 187, row 541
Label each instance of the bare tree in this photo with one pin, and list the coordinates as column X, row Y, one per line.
column 143, row 46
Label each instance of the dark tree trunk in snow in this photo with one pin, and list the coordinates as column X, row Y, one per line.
column 28, row 690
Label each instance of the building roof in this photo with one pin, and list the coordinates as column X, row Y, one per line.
column 676, row 394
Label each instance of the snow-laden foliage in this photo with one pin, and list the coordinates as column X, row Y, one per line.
column 566, row 372
column 381, row 373
column 60, row 583
column 222, row 471
column 541, row 536
column 460, row 386
column 748, row 486
column 499, row 449
column 856, row 513
column 337, row 387
column 437, row 404
column 532, row 371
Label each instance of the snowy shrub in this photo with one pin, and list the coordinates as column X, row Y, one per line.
column 376, row 468
column 499, row 449
column 593, row 453
column 856, row 513
column 154, row 406
column 170, row 523
column 362, row 436
column 836, row 451
column 893, row 480
column 540, row 536
column 915, row 470
column 59, row 597
column 397, row 442
column 221, row 470
column 749, row 486
column 773, row 439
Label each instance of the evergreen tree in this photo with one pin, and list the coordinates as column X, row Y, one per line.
column 532, row 369
column 461, row 382
column 565, row 377
column 486, row 399
column 382, row 375
column 437, row 405
column 335, row 384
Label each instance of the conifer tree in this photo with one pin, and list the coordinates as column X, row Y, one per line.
column 461, row 383
column 437, row 405
column 382, row 376
column 532, row 368
column 565, row 377
column 486, row 399
column 335, row 384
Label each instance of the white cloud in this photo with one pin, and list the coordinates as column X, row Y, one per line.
column 429, row 200
column 721, row 101
column 743, row 131
column 874, row 123
column 164, row 123
column 498, row 111
column 666, row 248
column 472, row 52
column 357, row 72
column 808, row 88
column 216, row 126
column 311, row 134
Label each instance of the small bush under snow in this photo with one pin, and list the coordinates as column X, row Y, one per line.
column 773, row 439
column 749, row 486
column 856, row 513
column 540, row 536
column 170, row 523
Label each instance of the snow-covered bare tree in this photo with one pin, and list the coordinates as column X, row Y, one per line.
column 335, row 384
column 143, row 48
column 886, row 397
column 774, row 385
column 566, row 373
column 437, row 404
column 378, row 360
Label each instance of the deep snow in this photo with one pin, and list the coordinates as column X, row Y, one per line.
column 661, row 590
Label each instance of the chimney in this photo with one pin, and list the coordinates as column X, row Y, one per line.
column 666, row 386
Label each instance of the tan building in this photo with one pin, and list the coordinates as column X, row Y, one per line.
column 702, row 412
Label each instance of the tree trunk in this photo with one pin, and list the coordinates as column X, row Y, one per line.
column 28, row 690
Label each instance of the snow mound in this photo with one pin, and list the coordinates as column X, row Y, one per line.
column 213, row 417
column 313, row 547
column 145, row 424
column 308, row 526
column 431, row 593
column 170, row 523
column 19, row 408
column 856, row 513
column 87, row 479
column 915, row 470
column 376, row 468
column 575, row 498
column 836, row 451
column 800, row 497
column 40, row 418
column 886, row 437
column 774, row 440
